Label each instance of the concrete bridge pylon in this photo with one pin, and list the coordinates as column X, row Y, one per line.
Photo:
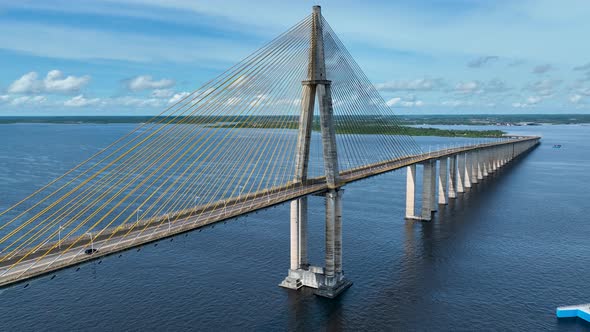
column 329, row 280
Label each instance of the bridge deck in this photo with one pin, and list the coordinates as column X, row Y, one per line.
column 50, row 258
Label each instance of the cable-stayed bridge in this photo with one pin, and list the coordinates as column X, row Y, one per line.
column 295, row 118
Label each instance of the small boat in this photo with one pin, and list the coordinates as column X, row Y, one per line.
column 557, row 146
column 581, row 310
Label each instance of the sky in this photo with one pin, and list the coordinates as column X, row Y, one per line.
column 136, row 57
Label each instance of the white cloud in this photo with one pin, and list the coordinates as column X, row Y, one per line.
column 178, row 97
column 259, row 100
column 457, row 103
column 240, row 81
column 478, row 87
column 422, row 84
column 519, row 105
column 129, row 101
column 146, row 82
column 28, row 100
column 4, row 99
column 231, row 101
column 81, row 101
column 545, row 87
column 575, row 99
column 399, row 102
column 533, row 100
column 162, row 93
column 468, row 87
column 28, row 83
column 54, row 82
column 529, row 101
column 393, row 101
column 496, row 85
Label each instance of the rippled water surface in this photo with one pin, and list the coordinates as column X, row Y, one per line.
column 501, row 257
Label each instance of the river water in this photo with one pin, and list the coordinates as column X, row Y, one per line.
column 501, row 257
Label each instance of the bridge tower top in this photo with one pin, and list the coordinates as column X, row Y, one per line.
column 317, row 63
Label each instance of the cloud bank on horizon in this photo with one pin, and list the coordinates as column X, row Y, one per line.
column 100, row 57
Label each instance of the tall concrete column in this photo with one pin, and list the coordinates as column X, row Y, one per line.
column 474, row 166
column 332, row 281
column 495, row 159
column 338, row 233
column 452, row 176
column 329, row 269
column 467, row 170
column 294, row 235
column 433, row 205
column 427, row 188
column 460, row 173
column 479, row 165
column 442, row 181
column 411, row 191
column 484, row 163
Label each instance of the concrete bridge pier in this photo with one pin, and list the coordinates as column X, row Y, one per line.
column 479, row 166
column 484, row 164
column 299, row 266
column 411, row 192
column 466, row 170
column 474, row 166
column 452, row 177
column 502, row 156
column 460, row 173
column 495, row 160
column 332, row 282
column 442, row 181
column 428, row 191
column 433, row 205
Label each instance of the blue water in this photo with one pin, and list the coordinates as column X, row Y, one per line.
column 501, row 257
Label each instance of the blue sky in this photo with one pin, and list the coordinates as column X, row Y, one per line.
column 125, row 57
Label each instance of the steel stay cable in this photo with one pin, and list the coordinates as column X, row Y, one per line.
column 101, row 161
column 204, row 171
column 360, row 73
column 348, row 143
column 212, row 186
column 352, row 80
column 145, row 213
column 155, row 228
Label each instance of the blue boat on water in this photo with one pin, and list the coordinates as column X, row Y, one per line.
column 581, row 310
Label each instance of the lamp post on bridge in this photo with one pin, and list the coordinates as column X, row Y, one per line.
column 137, row 215
column 59, row 236
column 91, row 242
